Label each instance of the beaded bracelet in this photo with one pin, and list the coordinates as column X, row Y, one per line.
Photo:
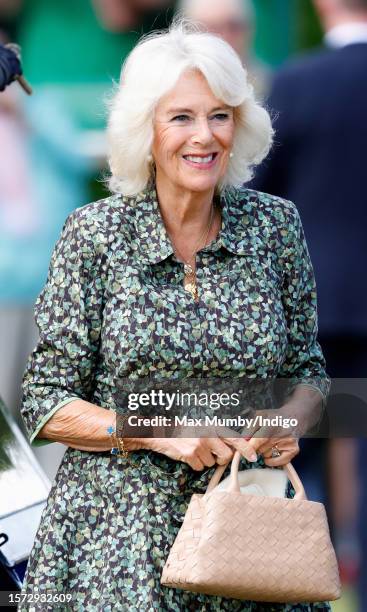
column 119, row 450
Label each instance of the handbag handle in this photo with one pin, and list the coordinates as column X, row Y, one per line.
column 234, row 485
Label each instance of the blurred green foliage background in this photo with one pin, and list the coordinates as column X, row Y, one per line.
column 284, row 28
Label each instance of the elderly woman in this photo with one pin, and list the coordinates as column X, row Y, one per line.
column 181, row 273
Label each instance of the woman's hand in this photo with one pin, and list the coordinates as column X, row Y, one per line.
column 288, row 448
column 202, row 452
column 267, row 438
column 296, row 417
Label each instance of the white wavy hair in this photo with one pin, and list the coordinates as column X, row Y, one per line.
column 151, row 71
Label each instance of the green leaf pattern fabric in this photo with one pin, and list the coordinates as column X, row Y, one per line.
column 113, row 308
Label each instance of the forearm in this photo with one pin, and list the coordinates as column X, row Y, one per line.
column 306, row 405
column 83, row 426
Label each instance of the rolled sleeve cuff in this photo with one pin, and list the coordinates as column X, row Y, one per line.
column 323, row 392
column 34, row 441
column 319, row 383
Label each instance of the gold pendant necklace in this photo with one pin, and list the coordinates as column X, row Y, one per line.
column 190, row 280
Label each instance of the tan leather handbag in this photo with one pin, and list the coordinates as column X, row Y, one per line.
column 254, row 547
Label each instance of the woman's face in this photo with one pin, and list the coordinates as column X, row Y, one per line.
column 193, row 136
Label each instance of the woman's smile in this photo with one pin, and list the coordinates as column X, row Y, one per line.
column 201, row 162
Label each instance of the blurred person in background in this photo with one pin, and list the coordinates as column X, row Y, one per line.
column 9, row 66
column 55, row 147
column 234, row 21
column 319, row 162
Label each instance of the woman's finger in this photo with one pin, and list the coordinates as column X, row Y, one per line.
column 267, row 444
column 206, row 457
column 195, row 463
column 282, row 445
column 259, row 442
column 244, row 447
column 284, row 457
column 222, row 451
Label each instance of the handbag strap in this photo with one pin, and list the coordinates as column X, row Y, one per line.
column 234, row 485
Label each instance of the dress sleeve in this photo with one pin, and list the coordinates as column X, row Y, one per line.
column 68, row 314
column 304, row 362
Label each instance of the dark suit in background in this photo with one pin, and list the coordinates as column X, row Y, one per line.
column 319, row 161
column 9, row 66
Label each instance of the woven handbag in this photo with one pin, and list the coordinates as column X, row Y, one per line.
column 254, row 547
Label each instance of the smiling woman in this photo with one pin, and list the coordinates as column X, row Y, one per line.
column 182, row 273
column 156, row 76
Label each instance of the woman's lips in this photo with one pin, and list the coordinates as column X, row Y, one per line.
column 201, row 162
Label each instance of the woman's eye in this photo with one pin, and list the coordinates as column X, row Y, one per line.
column 220, row 116
column 181, row 118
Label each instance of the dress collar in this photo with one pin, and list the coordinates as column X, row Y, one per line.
column 153, row 243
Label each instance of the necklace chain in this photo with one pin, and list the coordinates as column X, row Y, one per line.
column 190, row 282
column 204, row 236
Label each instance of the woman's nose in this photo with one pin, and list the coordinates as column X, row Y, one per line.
column 202, row 132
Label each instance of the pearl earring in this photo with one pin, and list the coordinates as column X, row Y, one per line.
column 231, row 154
column 149, row 158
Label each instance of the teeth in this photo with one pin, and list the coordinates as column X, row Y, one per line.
column 200, row 160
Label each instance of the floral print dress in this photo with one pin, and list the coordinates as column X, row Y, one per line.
column 114, row 307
